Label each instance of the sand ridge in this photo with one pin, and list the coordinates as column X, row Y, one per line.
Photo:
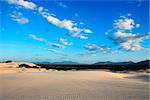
column 14, row 64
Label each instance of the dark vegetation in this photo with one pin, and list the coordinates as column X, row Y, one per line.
column 27, row 66
column 143, row 65
column 8, row 61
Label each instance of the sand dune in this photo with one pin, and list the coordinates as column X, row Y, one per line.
column 72, row 85
column 14, row 64
column 12, row 67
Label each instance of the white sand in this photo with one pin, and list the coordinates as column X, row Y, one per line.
column 72, row 85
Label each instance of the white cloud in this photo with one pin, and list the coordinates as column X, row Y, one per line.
column 64, row 41
column 124, row 23
column 107, row 32
column 81, row 23
column 57, row 45
column 44, row 12
column 96, row 48
column 54, row 51
column 137, row 25
column 32, row 36
column 65, row 24
column 18, row 17
column 40, row 9
column 51, row 18
column 83, row 37
column 129, row 41
column 87, row 31
column 93, row 49
column 123, row 37
column 75, row 33
column 23, row 3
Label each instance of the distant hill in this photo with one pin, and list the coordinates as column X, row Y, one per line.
column 67, row 62
column 114, row 63
column 60, row 63
column 125, row 63
column 43, row 62
column 145, row 62
column 104, row 63
column 113, row 66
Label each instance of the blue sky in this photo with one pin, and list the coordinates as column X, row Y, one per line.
column 82, row 31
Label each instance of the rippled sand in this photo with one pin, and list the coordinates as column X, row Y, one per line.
column 72, row 85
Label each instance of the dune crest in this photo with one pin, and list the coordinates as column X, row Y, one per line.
column 14, row 64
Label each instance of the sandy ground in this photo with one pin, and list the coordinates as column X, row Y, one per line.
column 73, row 85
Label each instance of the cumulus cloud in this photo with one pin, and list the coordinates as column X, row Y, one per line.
column 64, row 41
column 126, row 40
column 18, row 17
column 44, row 12
column 51, row 18
column 93, row 49
column 96, row 48
column 65, row 24
column 124, row 23
column 129, row 41
column 23, row 3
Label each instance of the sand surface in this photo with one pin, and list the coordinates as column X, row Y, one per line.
column 72, row 85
